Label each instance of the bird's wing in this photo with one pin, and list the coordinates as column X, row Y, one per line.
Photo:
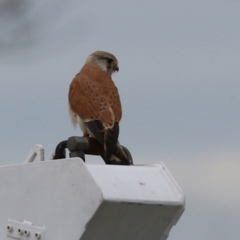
column 95, row 97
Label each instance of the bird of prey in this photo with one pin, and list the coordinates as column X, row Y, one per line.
column 94, row 104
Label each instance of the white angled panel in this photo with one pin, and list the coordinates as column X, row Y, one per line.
column 74, row 200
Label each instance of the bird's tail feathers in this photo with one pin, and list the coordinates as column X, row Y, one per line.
column 111, row 139
column 97, row 130
column 121, row 155
column 114, row 153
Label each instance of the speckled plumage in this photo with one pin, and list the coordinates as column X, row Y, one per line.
column 95, row 104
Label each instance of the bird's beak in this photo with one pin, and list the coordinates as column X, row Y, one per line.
column 116, row 68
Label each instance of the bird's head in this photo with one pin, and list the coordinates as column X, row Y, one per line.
column 106, row 61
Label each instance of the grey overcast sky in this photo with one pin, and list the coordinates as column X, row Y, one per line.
column 178, row 81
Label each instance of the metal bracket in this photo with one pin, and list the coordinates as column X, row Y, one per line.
column 37, row 154
column 79, row 146
column 25, row 230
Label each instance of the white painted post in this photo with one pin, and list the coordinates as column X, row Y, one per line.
column 69, row 199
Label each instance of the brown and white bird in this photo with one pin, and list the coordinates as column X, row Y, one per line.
column 94, row 104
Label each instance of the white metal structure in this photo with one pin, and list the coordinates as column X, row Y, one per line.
column 71, row 200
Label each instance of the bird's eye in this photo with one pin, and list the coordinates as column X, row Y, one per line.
column 109, row 60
